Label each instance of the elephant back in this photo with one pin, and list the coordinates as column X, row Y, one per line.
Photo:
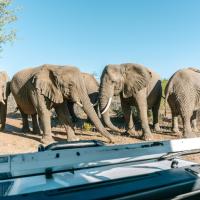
column 92, row 87
column 22, row 78
column 91, row 83
column 188, row 77
column 20, row 87
column 154, row 84
column 183, row 82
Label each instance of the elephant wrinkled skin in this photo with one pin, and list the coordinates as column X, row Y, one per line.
column 136, row 86
column 92, row 87
column 4, row 93
column 37, row 90
column 182, row 93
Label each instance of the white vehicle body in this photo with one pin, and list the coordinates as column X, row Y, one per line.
column 72, row 168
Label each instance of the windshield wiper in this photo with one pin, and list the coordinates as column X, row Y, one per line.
column 173, row 155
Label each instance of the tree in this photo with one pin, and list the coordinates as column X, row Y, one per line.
column 7, row 16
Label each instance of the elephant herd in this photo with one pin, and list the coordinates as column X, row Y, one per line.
column 38, row 90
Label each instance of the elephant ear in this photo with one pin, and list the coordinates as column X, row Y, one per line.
column 5, row 84
column 7, row 90
column 46, row 82
column 136, row 78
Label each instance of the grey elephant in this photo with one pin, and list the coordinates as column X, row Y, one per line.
column 4, row 93
column 182, row 93
column 37, row 90
column 75, row 110
column 92, row 87
column 136, row 86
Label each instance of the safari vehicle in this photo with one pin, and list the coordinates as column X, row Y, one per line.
column 91, row 170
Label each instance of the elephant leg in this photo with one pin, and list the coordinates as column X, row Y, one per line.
column 175, row 127
column 25, row 123
column 155, row 111
column 141, row 101
column 64, row 117
column 187, row 130
column 128, row 117
column 44, row 114
column 3, row 111
column 36, row 128
column 70, row 106
column 46, row 125
column 194, row 122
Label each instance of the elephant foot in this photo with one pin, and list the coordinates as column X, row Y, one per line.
column 133, row 133
column 25, row 130
column 46, row 139
column 195, row 130
column 147, row 137
column 157, row 128
column 189, row 135
column 176, row 130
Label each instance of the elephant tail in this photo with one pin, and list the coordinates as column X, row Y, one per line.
column 168, row 90
column 165, row 107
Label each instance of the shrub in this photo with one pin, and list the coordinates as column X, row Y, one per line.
column 87, row 126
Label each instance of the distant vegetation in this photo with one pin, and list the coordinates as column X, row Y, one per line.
column 7, row 16
column 164, row 83
column 87, row 126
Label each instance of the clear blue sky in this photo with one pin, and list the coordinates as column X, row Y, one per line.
column 161, row 34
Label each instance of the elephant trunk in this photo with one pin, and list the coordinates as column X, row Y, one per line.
column 89, row 110
column 105, row 101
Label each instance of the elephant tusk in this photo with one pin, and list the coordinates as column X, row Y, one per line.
column 2, row 101
column 81, row 105
column 108, row 105
column 95, row 104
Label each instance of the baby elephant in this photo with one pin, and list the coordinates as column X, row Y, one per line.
column 183, row 95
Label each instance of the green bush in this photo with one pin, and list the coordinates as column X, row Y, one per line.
column 87, row 126
column 164, row 83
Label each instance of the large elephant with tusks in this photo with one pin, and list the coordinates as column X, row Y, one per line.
column 136, row 85
column 182, row 93
column 37, row 90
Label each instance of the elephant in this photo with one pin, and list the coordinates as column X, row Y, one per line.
column 92, row 87
column 182, row 93
column 136, row 85
column 37, row 90
column 75, row 110
column 4, row 93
